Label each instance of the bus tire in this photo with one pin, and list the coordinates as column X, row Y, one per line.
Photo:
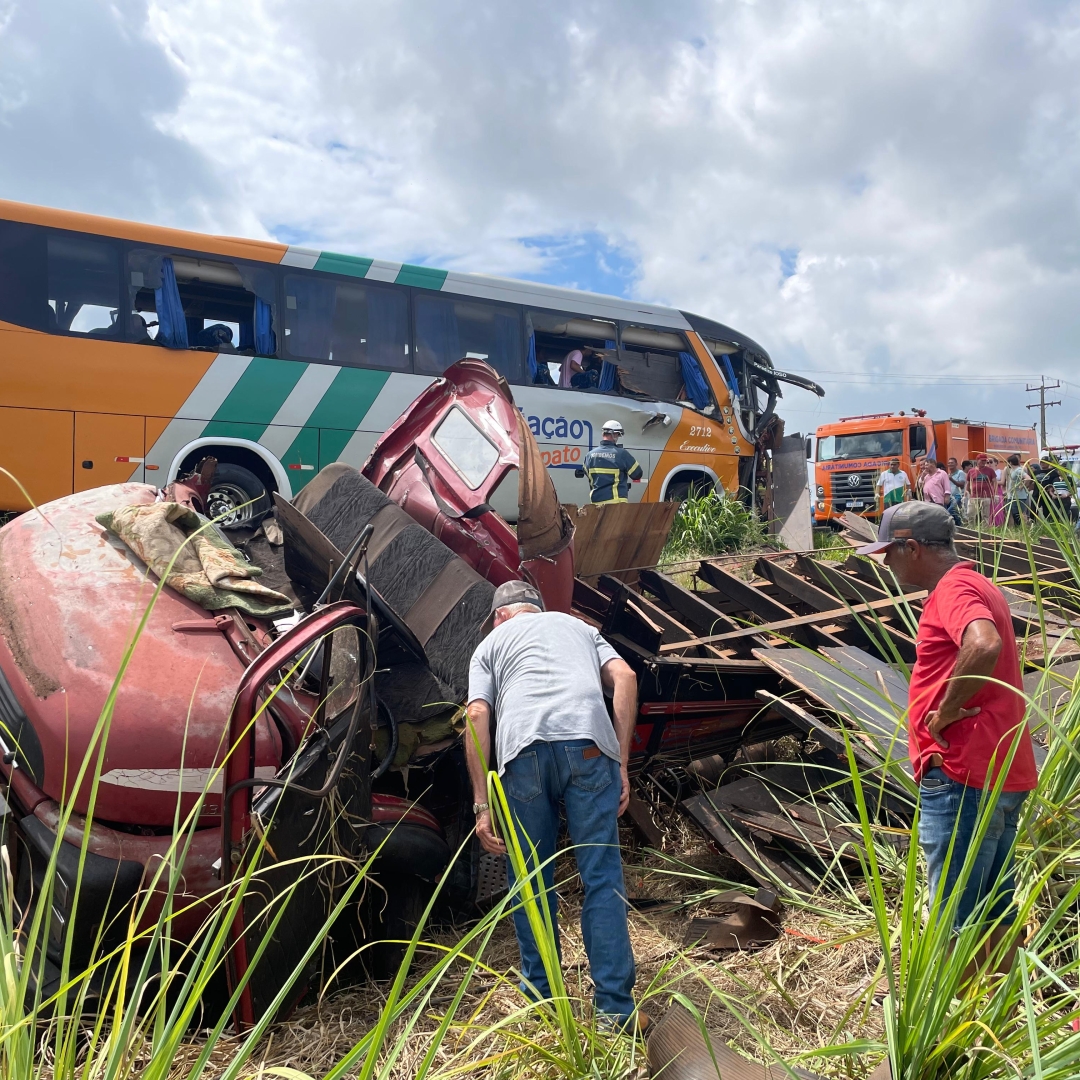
column 681, row 490
column 238, row 499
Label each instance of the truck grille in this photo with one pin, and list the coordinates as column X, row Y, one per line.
column 854, row 487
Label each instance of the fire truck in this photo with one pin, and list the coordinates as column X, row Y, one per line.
column 853, row 452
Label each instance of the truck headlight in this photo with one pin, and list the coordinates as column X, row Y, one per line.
column 821, row 506
column 821, row 491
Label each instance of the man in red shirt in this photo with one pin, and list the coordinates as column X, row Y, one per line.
column 982, row 482
column 965, row 715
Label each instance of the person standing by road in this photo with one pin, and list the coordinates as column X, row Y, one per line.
column 958, row 482
column 980, row 488
column 965, row 715
column 542, row 677
column 893, row 485
column 938, row 490
column 1017, row 492
column 610, row 467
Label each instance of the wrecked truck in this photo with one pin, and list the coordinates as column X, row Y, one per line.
column 303, row 704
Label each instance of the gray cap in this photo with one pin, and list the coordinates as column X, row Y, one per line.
column 511, row 592
column 924, row 522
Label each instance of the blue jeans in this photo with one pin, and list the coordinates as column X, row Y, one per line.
column 587, row 783
column 947, row 805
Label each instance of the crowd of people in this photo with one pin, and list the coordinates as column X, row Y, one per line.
column 985, row 491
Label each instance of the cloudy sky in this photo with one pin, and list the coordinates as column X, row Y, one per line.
column 886, row 195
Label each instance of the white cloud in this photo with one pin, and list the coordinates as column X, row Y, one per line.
column 917, row 163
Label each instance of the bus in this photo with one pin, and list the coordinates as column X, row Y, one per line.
column 131, row 352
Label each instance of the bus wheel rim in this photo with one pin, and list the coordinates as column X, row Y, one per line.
column 225, row 505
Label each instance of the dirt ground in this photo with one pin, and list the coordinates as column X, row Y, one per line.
column 810, row 988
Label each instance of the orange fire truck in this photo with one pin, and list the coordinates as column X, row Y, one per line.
column 853, row 452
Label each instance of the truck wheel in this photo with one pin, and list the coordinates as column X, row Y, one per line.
column 238, row 499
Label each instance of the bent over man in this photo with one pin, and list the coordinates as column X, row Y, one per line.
column 965, row 713
column 542, row 675
column 610, row 467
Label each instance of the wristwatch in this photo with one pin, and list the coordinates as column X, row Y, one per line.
column 479, row 807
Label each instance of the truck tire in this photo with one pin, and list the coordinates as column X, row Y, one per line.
column 238, row 499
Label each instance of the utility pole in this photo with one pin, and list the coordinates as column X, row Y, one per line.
column 1043, row 405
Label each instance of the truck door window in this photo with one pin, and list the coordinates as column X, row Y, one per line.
column 462, row 443
column 917, row 440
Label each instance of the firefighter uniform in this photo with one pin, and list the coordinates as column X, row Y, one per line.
column 610, row 468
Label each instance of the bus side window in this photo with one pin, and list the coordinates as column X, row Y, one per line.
column 656, row 362
column 346, row 323
column 448, row 329
column 84, row 285
column 23, row 276
column 216, row 305
column 587, row 345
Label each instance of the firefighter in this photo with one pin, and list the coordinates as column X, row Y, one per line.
column 610, row 467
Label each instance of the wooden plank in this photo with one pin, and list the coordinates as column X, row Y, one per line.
column 743, row 593
column 737, row 841
column 853, row 684
column 836, row 615
column 615, row 537
column 638, row 813
column 697, row 613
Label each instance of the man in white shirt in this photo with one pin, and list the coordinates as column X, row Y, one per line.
column 542, row 675
column 893, row 485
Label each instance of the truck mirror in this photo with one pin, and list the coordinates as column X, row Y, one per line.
column 809, row 447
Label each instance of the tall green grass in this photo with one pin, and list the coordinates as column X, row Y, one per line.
column 714, row 524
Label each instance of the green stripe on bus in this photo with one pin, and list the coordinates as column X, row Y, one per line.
column 420, row 277
column 257, row 395
column 343, row 408
column 353, row 265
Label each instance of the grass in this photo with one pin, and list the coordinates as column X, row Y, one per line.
column 714, row 524
column 863, row 969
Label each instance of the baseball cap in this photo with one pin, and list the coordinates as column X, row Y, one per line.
column 511, row 592
column 927, row 523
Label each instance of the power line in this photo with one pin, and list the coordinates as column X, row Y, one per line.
column 1043, row 403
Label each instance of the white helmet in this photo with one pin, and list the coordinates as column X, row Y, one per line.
column 612, row 427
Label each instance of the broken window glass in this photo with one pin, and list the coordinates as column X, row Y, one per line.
column 466, row 447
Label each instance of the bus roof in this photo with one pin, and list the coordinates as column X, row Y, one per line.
column 483, row 286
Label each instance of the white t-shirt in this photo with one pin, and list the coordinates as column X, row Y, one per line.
column 540, row 673
column 890, row 481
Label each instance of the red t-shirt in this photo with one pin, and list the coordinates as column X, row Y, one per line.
column 981, row 482
column 962, row 596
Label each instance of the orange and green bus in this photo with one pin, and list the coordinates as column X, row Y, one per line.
column 131, row 352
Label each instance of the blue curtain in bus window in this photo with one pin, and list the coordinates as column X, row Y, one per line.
column 733, row 383
column 697, row 389
column 437, row 342
column 172, row 326
column 534, row 370
column 265, row 338
column 609, row 344
column 387, row 329
column 608, row 371
column 312, row 321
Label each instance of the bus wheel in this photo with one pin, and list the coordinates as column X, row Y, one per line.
column 681, row 490
column 238, row 499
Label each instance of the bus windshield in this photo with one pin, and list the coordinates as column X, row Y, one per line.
column 861, row 444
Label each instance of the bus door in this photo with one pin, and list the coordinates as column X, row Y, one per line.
column 36, row 447
column 108, row 449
